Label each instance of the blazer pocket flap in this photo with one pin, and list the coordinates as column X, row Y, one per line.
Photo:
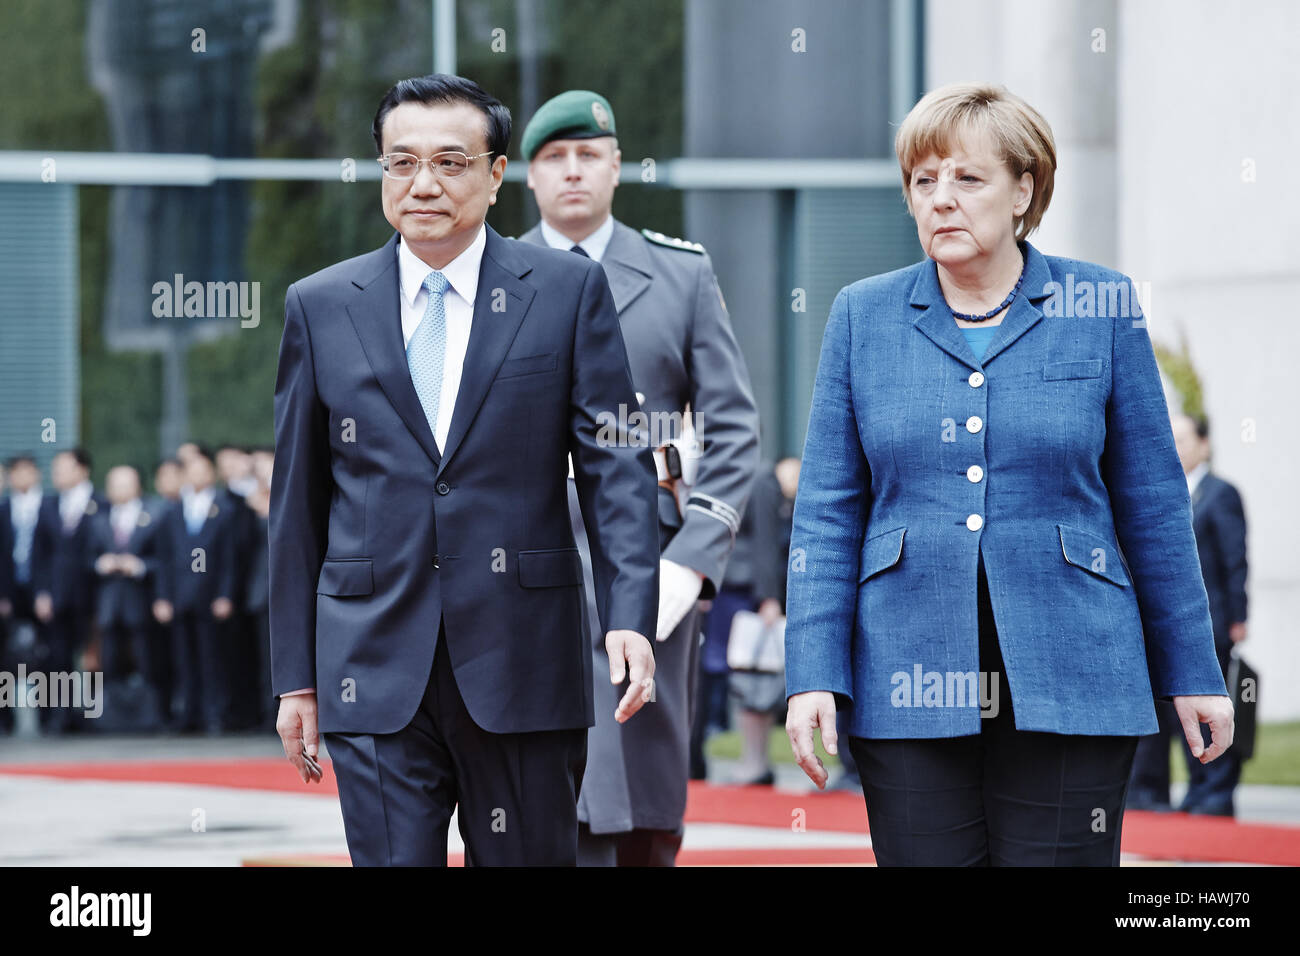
column 527, row 364
column 552, row 568
column 1093, row 554
column 879, row 552
column 345, row 577
column 1055, row 371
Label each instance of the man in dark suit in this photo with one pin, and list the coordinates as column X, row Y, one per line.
column 426, row 589
column 63, row 582
column 7, row 586
column 196, row 571
column 123, row 550
column 19, row 515
column 168, row 477
column 1219, row 521
column 235, row 479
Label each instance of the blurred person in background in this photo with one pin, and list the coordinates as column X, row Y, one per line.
column 970, row 475
column 168, row 477
column 683, row 356
column 196, row 570
column 122, row 540
column 7, row 585
column 755, row 581
column 20, row 514
column 257, row 583
column 1219, row 521
column 235, row 475
column 64, row 582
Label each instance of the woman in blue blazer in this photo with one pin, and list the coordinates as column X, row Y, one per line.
column 992, row 563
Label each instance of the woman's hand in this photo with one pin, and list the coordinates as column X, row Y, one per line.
column 804, row 714
column 1212, row 709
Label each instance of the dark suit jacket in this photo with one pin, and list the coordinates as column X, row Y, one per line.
column 61, row 563
column 122, row 599
column 177, row 580
column 377, row 535
column 1220, row 525
column 6, row 552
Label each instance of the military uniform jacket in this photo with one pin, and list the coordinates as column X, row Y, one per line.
column 681, row 350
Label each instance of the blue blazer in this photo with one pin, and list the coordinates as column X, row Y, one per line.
column 377, row 535
column 1052, row 457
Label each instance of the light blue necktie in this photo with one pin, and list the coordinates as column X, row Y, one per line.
column 427, row 348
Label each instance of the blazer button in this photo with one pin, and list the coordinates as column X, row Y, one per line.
column 435, row 561
column 443, row 488
column 976, row 379
column 974, row 473
column 974, row 424
column 974, row 522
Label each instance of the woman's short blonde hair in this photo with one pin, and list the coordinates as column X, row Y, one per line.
column 946, row 115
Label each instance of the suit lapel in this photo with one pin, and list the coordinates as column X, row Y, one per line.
column 627, row 265
column 490, row 335
column 937, row 323
column 376, row 314
column 626, row 262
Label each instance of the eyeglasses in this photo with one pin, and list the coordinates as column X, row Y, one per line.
column 445, row 165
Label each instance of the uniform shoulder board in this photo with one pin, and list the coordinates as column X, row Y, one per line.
column 672, row 242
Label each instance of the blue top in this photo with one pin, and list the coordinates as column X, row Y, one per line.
column 1076, row 460
column 979, row 339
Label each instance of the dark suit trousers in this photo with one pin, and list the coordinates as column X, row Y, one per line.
column 1003, row 797
column 517, row 793
column 199, row 672
column 125, row 648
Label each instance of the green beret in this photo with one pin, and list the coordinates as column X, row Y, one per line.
column 576, row 114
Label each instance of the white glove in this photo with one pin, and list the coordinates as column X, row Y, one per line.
column 679, row 589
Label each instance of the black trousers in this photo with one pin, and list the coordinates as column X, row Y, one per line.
column 200, row 675
column 1003, row 797
column 517, row 793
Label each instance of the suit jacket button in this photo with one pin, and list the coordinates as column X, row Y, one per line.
column 974, row 522
column 443, row 488
column 435, row 561
column 976, row 379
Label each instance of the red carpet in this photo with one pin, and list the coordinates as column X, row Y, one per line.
column 1160, row 836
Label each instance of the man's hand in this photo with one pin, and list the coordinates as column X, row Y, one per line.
column 162, row 611
column 1237, row 632
column 43, row 607
column 769, row 611
column 804, row 714
column 630, row 648
column 296, row 725
column 106, row 564
column 679, row 589
column 222, row 608
column 1212, row 709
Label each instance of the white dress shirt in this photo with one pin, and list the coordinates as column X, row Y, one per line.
column 594, row 245
column 1195, row 475
column 26, row 507
column 196, row 504
column 462, row 276
column 72, row 503
column 124, row 517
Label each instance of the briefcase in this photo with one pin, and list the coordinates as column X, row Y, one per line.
column 1243, row 688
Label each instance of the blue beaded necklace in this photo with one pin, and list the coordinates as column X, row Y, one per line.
column 1011, row 297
